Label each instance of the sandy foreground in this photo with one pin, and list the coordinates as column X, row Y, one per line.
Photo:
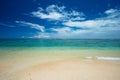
column 66, row 69
column 59, row 65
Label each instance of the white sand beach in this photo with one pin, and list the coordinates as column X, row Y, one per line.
column 59, row 67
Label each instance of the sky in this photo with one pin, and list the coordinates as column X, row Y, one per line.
column 60, row 19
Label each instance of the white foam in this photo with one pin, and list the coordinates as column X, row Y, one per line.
column 103, row 58
column 107, row 58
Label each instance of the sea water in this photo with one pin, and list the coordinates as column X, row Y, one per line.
column 59, row 43
column 35, row 49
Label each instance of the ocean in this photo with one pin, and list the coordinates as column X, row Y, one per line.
column 62, row 43
column 82, row 48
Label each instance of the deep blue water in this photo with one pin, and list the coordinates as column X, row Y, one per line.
column 78, row 43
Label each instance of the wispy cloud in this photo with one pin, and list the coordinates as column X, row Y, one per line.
column 92, row 23
column 110, row 22
column 69, row 32
column 54, row 12
column 31, row 25
column 73, row 24
column 8, row 25
column 111, row 11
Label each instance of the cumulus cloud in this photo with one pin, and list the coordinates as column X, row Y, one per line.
column 54, row 12
column 31, row 25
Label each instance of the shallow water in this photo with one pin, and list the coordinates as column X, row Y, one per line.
column 17, row 50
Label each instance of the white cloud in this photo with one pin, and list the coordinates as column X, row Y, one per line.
column 110, row 22
column 75, row 13
column 91, row 23
column 61, row 30
column 31, row 25
column 55, row 8
column 110, row 11
column 54, row 12
column 77, row 19
column 41, row 35
column 68, row 32
column 113, row 13
column 52, row 15
column 83, row 24
column 101, row 27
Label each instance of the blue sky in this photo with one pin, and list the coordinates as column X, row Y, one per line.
column 65, row 19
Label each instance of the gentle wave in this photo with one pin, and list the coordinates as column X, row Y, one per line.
column 103, row 58
column 107, row 58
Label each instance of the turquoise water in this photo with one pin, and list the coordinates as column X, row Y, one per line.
column 11, row 49
column 61, row 43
